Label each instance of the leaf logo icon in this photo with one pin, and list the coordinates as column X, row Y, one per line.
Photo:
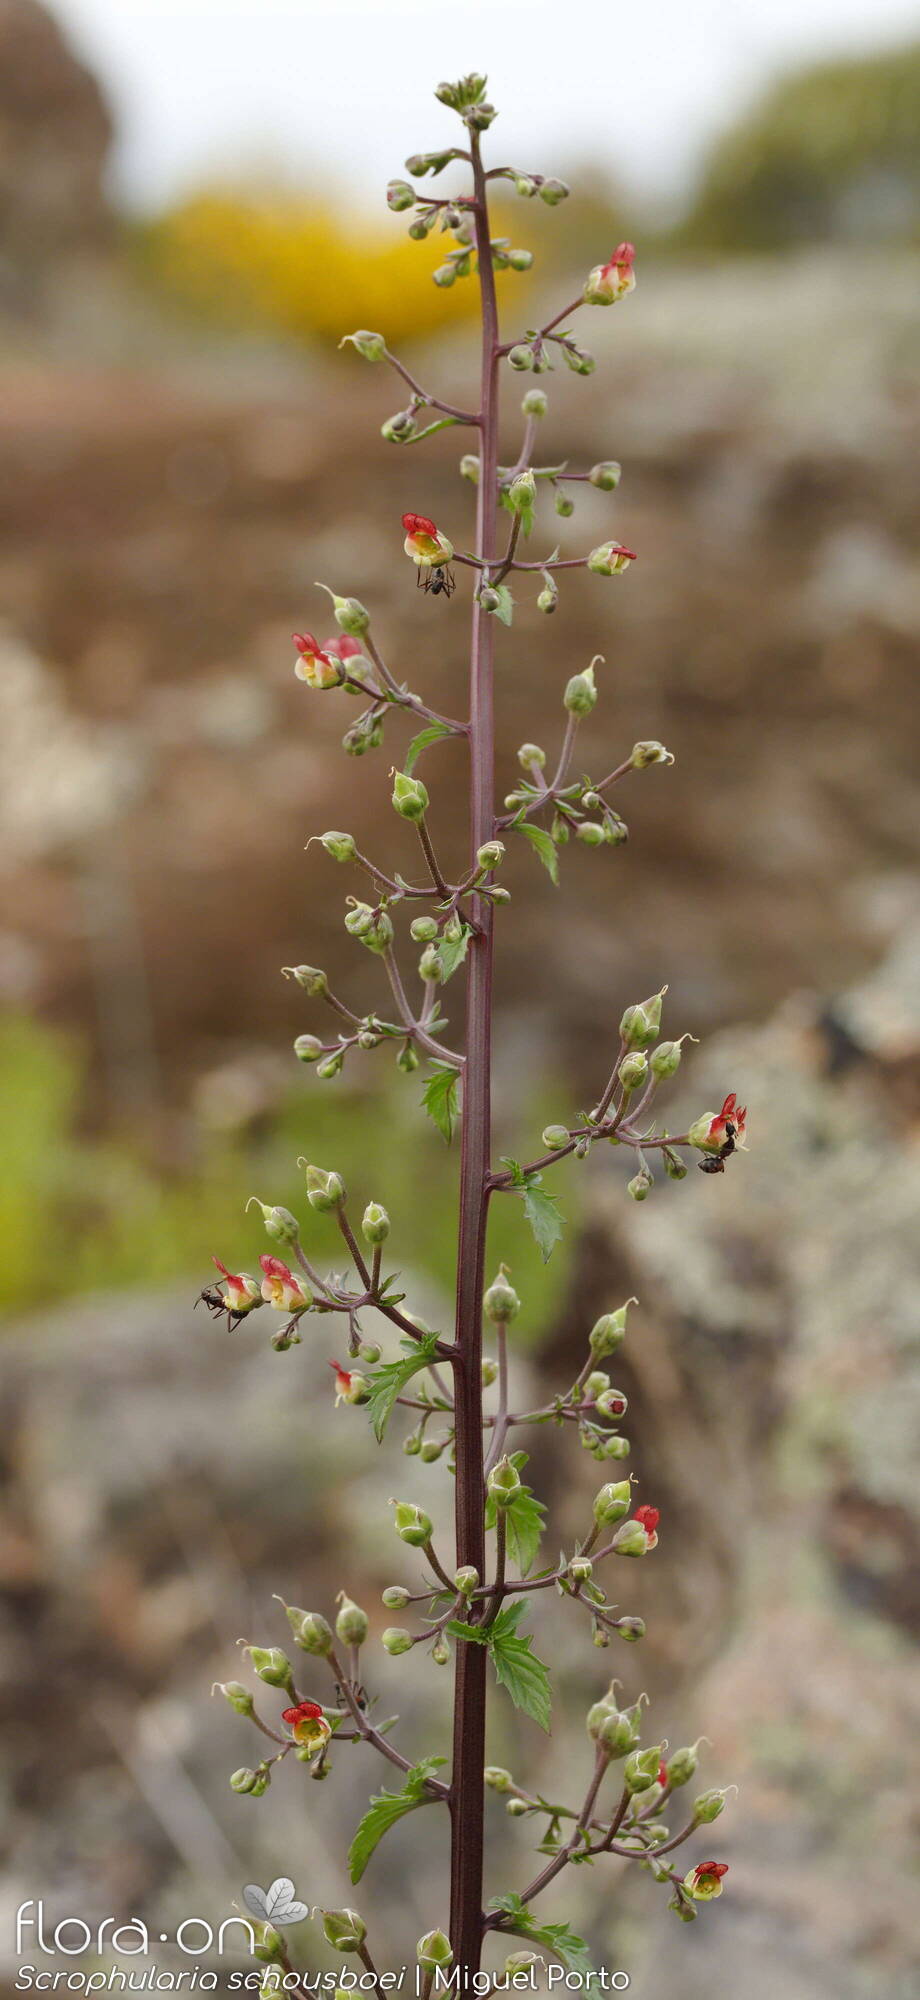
column 277, row 1905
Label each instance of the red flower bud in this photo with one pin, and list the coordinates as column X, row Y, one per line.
column 349, row 1388
column 649, row 1517
column 663, row 1774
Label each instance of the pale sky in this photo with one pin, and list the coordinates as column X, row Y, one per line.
column 201, row 85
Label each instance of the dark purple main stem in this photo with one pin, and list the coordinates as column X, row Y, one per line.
column 467, row 1796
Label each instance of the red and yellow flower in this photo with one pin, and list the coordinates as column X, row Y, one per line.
column 308, row 1725
column 705, row 1880
column 240, row 1291
column 349, row 1387
column 425, row 543
column 612, row 281
column 715, row 1128
column 280, row 1287
column 318, row 665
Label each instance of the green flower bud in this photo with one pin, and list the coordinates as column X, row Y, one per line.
column 640, row 1772
column 351, row 1622
column 470, row 468
column 516, row 1808
column 488, row 1372
column 308, row 1048
column 631, row 1629
column 497, row 1778
column 373, row 928
column 633, row 1070
column 580, row 1569
column 534, row 403
column 708, row 1806
column 434, row 1950
column 631, row 1540
column 344, row 1929
column 553, row 192
column 371, row 346
column 504, row 1482
column 578, row 359
column 521, row 357
column 612, row 1403
column 324, row 1191
column 555, row 1137
column 314, row 1635
column 489, row 598
column 399, row 196
column 619, row 1733
column 309, row 977
column 522, row 493
column 609, row 1332
column 271, row 1665
column 549, row 595
column 491, row 854
column 407, row 1059
column 410, row 796
column 466, row 1579
column 531, row 754
column 614, row 1447
column 341, row 846
column 501, row 1302
column 397, row 1597
column 280, row 1224
column 412, row 1524
column 564, row 504
column 595, row 1384
column 445, row 276
column 610, row 559
column 640, row 1187
column 591, row 832
column 330, row 1065
column 581, row 694
column 375, row 1227
column 612, row 1502
column 644, row 754
column 423, row 930
column 395, row 1640
column 665, row 1060
column 430, row 965
column 640, row 1024
column 682, row 1765
column 236, row 1694
column 674, row 1166
column 520, row 260
column 607, row 475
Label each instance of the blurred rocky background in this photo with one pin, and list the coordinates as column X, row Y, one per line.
column 184, row 451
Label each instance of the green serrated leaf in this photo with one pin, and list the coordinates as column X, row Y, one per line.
column 543, row 846
column 440, row 1099
column 452, row 952
column 385, row 1383
column 542, row 1212
column 385, row 1809
column 425, row 737
column 560, row 1939
column 476, row 1634
column 524, row 1526
column 517, row 1669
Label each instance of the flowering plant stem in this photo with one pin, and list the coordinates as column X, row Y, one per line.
column 478, row 1602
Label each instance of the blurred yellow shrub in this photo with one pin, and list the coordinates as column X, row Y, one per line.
column 278, row 260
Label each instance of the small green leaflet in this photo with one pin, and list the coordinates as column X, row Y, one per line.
column 385, row 1809
column 517, row 1669
column 432, row 734
column 452, row 952
column 542, row 1212
column 558, row 1938
column 543, row 846
column 440, row 1098
column 524, row 1526
column 386, row 1383
column 505, row 606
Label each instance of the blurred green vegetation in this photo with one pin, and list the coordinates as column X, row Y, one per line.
column 119, row 1220
column 830, row 154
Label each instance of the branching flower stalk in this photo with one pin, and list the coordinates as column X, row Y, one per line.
column 474, row 1600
